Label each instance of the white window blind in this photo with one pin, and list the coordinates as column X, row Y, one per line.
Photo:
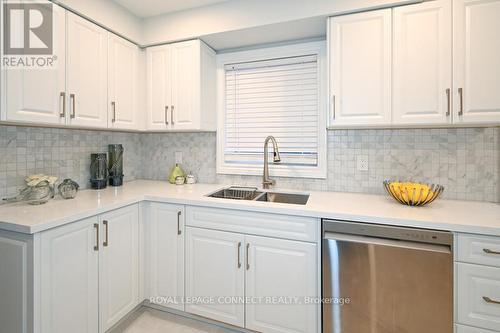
column 278, row 97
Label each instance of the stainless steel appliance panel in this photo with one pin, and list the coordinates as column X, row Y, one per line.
column 392, row 285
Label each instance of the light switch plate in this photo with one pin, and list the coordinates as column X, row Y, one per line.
column 362, row 162
column 178, row 157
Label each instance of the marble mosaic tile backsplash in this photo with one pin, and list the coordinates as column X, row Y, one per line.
column 465, row 161
column 64, row 153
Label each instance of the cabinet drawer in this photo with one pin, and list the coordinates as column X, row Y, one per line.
column 468, row 329
column 254, row 223
column 476, row 249
column 478, row 289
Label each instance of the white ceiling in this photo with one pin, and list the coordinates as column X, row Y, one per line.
column 314, row 27
column 148, row 8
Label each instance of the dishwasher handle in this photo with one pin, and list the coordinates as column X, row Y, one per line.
column 387, row 242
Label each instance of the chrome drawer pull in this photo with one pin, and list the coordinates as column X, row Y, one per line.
column 333, row 106
column 448, row 98
column 490, row 251
column 113, row 106
column 73, row 112
column 96, row 246
column 248, row 262
column 105, row 243
column 63, row 113
column 239, row 260
column 179, row 223
column 489, row 300
column 461, row 108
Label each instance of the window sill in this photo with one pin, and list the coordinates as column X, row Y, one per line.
column 275, row 170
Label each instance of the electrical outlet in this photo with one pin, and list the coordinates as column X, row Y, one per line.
column 178, row 157
column 362, row 162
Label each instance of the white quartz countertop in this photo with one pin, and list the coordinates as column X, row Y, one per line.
column 452, row 215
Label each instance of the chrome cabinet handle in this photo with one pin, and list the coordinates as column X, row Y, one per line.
column 448, row 98
column 166, row 115
column 489, row 300
column 239, row 250
column 333, row 107
column 63, row 113
column 490, row 251
column 179, row 223
column 113, row 105
column 461, row 109
column 73, row 109
column 248, row 262
column 106, row 227
column 172, row 115
column 96, row 246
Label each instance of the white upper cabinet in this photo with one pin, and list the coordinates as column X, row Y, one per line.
column 123, row 84
column 476, row 61
column 159, row 87
column 360, row 69
column 186, row 76
column 38, row 96
column 422, row 63
column 181, row 87
column 87, row 87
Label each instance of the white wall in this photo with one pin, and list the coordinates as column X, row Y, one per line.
column 243, row 14
column 109, row 14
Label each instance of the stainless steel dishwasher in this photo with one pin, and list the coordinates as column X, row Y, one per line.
column 384, row 279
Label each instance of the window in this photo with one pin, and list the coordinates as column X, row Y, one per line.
column 279, row 92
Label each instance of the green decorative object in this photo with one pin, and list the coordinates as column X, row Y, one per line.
column 176, row 171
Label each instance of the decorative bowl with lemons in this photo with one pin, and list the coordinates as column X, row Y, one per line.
column 413, row 194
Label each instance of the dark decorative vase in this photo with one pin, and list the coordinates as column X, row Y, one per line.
column 115, row 164
column 98, row 171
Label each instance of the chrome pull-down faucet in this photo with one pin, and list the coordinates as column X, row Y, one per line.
column 266, row 182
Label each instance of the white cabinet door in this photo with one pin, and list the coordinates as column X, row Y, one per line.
column 478, row 294
column 166, row 256
column 476, row 61
column 360, row 69
column 87, row 57
column 118, row 265
column 286, row 269
column 214, row 270
column 69, row 278
column 159, row 87
column 122, row 83
column 422, row 63
column 37, row 95
column 186, row 63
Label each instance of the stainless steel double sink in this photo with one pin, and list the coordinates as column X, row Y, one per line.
column 253, row 194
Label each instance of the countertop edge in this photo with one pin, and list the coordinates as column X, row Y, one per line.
column 136, row 197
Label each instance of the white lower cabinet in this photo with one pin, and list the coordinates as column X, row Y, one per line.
column 214, row 271
column 69, row 278
column 89, row 273
column 166, row 253
column 479, row 296
column 267, row 271
column 285, row 270
column 118, row 265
